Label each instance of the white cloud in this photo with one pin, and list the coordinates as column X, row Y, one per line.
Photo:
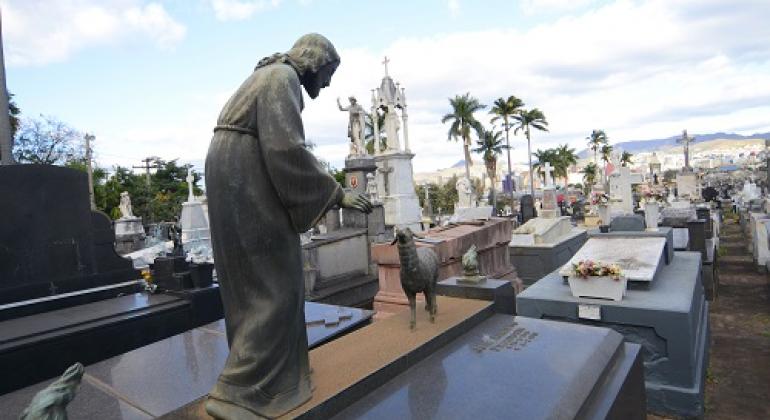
column 637, row 70
column 454, row 7
column 153, row 20
column 532, row 7
column 241, row 9
column 38, row 32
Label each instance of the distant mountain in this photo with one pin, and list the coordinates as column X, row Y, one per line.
column 636, row 146
column 461, row 164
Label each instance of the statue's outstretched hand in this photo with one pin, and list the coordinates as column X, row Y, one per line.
column 356, row 201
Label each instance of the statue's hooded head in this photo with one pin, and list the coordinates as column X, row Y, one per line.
column 315, row 59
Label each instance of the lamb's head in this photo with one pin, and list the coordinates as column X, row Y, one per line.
column 404, row 237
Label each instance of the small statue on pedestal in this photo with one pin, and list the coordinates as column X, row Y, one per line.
column 371, row 189
column 471, row 273
column 125, row 206
column 355, row 125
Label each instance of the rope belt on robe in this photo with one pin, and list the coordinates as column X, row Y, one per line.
column 237, row 129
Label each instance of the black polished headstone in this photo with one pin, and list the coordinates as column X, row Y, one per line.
column 172, row 273
column 705, row 214
column 527, row 208
column 51, row 242
column 633, row 223
column 696, row 231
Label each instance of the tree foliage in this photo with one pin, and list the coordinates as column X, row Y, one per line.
column 504, row 109
column 560, row 158
column 589, row 174
column 13, row 115
column 596, row 140
column 47, row 141
column 491, row 145
column 369, row 131
column 606, row 152
column 441, row 197
column 524, row 121
column 462, row 122
column 625, row 159
column 161, row 202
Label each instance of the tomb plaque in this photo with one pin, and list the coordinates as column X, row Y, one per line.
column 593, row 312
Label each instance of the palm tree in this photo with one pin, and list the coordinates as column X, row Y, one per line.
column 565, row 157
column 463, row 120
column 596, row 140
column 606, row 153
column 524, row 120
column 369, row 132
column 589, row 174
column 625, row 159
column 505, row 109
column 491, row 146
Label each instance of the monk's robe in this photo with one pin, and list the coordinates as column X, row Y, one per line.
column 264, row 188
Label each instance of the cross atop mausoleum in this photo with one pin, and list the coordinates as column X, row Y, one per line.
column 385, row 63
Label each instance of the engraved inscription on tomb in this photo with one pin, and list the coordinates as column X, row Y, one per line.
column 510, row 337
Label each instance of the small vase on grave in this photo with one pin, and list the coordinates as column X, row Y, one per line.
column 651, row 214
column 604, row 214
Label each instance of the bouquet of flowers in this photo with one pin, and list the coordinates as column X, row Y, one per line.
column 588, row 268
column 652, row 196
column 600, row 198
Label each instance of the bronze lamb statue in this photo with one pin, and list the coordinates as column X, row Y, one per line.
column 419, row 273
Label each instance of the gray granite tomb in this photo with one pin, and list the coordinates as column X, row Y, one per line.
column 667, row 317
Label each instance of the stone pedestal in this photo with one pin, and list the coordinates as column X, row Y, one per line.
column 668, row 318
column 687, row 185
column 195, row 225
column 356, row 168
column 374, row 223
column 534, row 261
column 337, row 268
column 129, row 235
column 467, row 214
column 395, row 184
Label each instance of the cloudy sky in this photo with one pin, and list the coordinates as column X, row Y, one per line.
column 149, row 77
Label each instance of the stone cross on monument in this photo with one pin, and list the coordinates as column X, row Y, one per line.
column 385, row 171
column 385, row 63
column 685, row 141
column 548, row 171
column 190, row 179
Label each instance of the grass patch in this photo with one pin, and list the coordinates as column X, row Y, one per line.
column 711, row 378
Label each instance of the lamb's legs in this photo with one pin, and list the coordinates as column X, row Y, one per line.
column 431, row 298
column 413, row 310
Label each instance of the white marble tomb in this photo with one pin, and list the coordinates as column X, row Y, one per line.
column 638, row 258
